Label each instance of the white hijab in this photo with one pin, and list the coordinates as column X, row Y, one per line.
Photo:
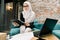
column 28, row 15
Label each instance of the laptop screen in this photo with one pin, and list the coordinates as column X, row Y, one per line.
column 48, row 26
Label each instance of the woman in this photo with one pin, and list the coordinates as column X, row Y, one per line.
column 27, row 16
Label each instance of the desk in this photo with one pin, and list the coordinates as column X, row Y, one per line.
column 3, row 36
column 30, row 36
column 47, row 37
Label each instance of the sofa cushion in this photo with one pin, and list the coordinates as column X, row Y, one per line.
column 57, row 33
column 14, row 31
column 35, row 29
column 57, row 26
column 38, row 26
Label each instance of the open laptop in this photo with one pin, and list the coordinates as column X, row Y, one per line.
column 47, row 28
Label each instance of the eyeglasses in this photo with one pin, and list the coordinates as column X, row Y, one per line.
column 25, row 6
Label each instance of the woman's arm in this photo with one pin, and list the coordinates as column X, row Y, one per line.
column 22, row 20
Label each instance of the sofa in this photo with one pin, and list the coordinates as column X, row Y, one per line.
column 38, row 27
column 56, row 30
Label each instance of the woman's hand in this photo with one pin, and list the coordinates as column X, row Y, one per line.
column 27, row 24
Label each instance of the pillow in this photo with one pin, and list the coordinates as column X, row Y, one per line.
column 57, row 27
column 14, row 31
column 57, row 33
column 37, row 25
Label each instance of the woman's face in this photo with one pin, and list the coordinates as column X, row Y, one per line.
column 25, row 7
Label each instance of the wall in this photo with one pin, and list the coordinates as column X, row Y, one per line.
column 46, row 9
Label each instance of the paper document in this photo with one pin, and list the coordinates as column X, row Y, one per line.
column 24, row 36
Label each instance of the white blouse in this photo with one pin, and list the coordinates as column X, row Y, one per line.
column 29, row 17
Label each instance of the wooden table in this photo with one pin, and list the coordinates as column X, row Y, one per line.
column 47, row 37
column 3, row 36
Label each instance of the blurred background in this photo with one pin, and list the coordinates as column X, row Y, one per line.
column 11, row 9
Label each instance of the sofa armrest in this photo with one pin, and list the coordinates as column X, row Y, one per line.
column 57, row 26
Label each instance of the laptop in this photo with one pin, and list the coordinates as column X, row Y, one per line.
column 47, row 28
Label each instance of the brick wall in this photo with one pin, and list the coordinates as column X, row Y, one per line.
column 46, row 9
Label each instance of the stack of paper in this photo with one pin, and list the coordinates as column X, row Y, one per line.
column 24, row 36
